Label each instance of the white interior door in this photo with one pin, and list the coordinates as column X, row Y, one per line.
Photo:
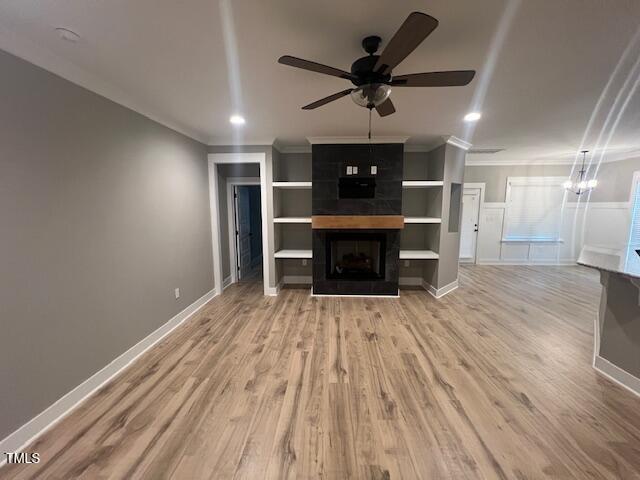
column 469, row 227
column 243, row 230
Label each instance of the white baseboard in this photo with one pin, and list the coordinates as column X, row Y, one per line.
column 617, row 375
column 272, row 291
column 559, row 263
column 420, row 282
column 441, row 292
column 38, row 425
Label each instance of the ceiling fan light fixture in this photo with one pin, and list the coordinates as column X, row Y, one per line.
column 371, row 95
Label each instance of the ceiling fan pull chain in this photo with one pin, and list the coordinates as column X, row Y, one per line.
column 370, row 126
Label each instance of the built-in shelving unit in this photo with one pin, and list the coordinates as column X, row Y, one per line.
column 418, row 255
column 295, row 185
column 422, row 220
column 288, row 253
column 422, row 183
column 292, row 220
column 423, row 190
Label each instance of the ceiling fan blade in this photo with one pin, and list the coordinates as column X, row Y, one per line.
column 325, row 100
column 411, row 33
column 386, row 108
column 454, row 78
column 313, row 67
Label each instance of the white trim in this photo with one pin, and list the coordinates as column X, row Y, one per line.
column 272, row 291
column 231, row 182
column 562, row 159
column 294, row 253
column 457, row 142
column 30, row 431
column 541, row 263
column 616, row 374
column 227, row 281
column 299, row 279
column 422, row 183
column 441, row 292
column 292, row 185
column 215, row 159
column 344, row 140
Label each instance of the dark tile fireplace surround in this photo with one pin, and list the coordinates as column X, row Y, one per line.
column 356, row 261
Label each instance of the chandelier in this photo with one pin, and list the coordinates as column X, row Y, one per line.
column 580, row 184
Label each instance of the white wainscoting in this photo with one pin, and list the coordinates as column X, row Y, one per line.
column 603, row 225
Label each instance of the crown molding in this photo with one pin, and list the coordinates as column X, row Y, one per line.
column 25, row 49
column 608, row 158
column 345, row 140
column 457, row 142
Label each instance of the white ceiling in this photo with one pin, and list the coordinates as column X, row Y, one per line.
column 167, row 59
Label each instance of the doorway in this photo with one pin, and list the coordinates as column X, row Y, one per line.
column 247, row 231
column 471, row 201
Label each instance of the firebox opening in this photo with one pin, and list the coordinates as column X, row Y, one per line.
column 356, row 256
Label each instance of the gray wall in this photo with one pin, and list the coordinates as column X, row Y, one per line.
column 495, row 177
column 103, row 213
column 614, row 178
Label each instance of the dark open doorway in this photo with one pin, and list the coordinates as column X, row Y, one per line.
column 248, row 232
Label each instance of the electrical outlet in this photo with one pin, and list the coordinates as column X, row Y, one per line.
column 374, row 169
column 407, row 263
column 355, row 170
column 349, row 170
column 177, row 293
column 304, row 262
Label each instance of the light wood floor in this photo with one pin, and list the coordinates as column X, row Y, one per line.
column 492, row 381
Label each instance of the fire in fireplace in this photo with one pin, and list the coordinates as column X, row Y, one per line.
column 356, row 256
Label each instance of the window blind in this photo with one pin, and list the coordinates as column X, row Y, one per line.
column 633, row 260
column 534, row 209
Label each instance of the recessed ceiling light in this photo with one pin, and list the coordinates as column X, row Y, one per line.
column 68, row 35
column 472, row 117
column 237, row 120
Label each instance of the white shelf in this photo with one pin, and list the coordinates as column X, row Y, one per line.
column 292, row 220
column 418, row 255
column 292, row 184
column 421, row 183
column 422, row 220
column 293, row 254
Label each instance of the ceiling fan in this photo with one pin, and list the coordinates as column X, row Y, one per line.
column 373, row 75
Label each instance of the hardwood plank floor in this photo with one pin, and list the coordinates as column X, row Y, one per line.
column 491, row 381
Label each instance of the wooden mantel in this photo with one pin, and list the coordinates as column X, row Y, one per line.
column 357, row 222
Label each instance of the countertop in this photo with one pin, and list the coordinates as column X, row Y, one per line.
column 626, row 261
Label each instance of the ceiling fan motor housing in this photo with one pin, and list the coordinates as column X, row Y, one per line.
column 362, row 70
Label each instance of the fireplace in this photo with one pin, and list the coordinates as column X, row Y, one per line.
column 356, row 218
column 355, row 256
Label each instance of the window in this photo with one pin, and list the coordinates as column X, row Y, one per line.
column 633, row 258
column 534, row 209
